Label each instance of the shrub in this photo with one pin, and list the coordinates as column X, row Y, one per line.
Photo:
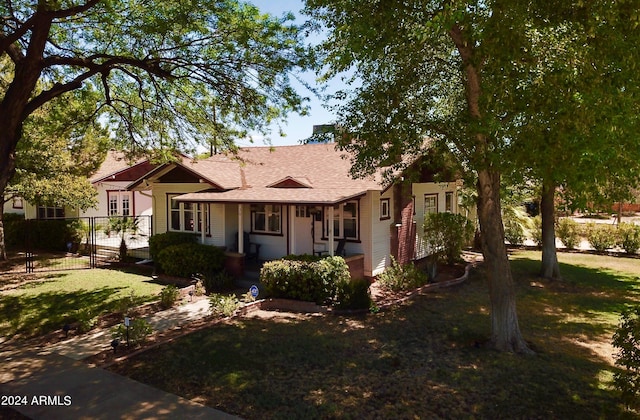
column 50, row 235
column 398, row 277
column 315, row 281
column 185, row 260
column 626, row 339
column 168, row 296
column 85, row 319
column 14, row 230
column 127, row 303
column 139, row 331
column 353, row 294
column 568, row 231
column 447, row 233
column 224, row 305
column 513, row 232
column 536, row 230
column 601, row 237
column 217, row 282
column 629, row 237
column 516, row 222
column 163, row 240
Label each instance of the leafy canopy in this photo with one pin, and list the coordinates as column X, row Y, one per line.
column 161, row 68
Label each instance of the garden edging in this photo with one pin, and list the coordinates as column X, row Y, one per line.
column 312, row 307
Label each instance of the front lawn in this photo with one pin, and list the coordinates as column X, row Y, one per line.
column 424, row 359
column 45, row 302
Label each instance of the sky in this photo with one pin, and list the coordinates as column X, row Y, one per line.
column 296, row 127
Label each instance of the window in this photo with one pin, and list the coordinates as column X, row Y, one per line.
column 187, row 217
column 266, row 218
column 302, row 211
column 119, row 203
column 345, row 221
column 385, row 209
column 448, row 201
column 46, row 212
column 17, row 202
column 430, row 203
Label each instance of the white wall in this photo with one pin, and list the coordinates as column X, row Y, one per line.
column 420, row 190
column 380, row 239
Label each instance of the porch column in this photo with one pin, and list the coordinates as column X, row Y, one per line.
column 331, row 222
column 240, row 230
column 292, row 229
column 203, row 217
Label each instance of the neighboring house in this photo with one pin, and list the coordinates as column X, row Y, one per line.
column 110, row 181
column 294, row 200
column 14, row 205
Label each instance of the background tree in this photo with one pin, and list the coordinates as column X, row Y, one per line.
column 158, row 66
column 582, row 134
column 449, row 72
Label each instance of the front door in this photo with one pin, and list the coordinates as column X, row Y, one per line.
column 303, row 238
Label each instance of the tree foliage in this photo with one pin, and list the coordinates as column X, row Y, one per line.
column 153, row 72
column 470, row 77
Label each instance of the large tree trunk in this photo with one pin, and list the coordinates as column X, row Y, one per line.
column 7, row 169
column 550, row 268
column 505, row 331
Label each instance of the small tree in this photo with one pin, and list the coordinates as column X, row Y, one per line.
column 122, row 226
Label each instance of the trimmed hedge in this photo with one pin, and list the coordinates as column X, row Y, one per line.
column 186, row 260
column 313, row 281
column 163, row 240
column 47, row 235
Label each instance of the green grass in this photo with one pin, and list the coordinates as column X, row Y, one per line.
column 50, row 300
column 424, row 359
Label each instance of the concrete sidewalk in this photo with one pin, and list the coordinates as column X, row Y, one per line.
column 51, row 383
column 94, row 342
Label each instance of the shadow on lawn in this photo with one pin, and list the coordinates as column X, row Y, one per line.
column 422, row 359
column 31, row 315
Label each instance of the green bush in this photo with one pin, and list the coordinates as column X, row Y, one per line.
column 168, row 296
column 514, row 232
column 315, row 281
column 568, row 231
column 536, row 230
column 626, row 339
column 125, row 304
column 225, row 305
column 516, row 223
column 185, row 260
column 14, row 230
column 601, row 236
column 399, row 277
column 447, row 233
column 629, row 237
column 218, row 281
column 139, row 331
column 86, row 319
column 163, row 240
column 353, row 294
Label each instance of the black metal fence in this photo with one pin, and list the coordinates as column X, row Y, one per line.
column 82, row 243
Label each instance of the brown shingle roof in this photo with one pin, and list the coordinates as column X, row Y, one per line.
column 115, row 163
column 258, row 170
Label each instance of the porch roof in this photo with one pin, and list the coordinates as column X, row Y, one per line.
column 320, row 196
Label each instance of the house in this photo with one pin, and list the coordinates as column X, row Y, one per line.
column 110, row 181
column 295, row 200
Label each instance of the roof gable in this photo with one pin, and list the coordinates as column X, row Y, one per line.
column 291, row 182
